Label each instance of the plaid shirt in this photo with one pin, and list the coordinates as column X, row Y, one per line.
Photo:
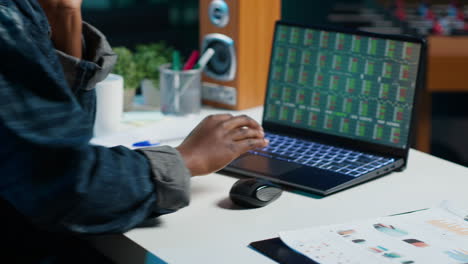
column 50, row 177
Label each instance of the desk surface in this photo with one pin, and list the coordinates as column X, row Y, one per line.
column 212, row 230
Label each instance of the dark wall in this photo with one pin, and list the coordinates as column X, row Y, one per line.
column 306, row 11
column 130, row 22
column 310, row 11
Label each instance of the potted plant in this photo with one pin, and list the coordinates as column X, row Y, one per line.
column 127, row 68
column 148, row 59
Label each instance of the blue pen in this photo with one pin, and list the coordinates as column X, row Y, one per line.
column 145, row 143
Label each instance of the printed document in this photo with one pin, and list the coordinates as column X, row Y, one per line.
column 436, row 235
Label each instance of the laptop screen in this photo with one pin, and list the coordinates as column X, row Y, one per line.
column 354, row 86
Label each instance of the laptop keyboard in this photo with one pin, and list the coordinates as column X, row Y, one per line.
column 321, row 156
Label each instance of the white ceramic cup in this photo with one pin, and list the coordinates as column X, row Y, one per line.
column 109, row 105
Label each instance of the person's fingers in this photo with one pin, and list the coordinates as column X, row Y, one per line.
column 245, row 132
column 210, row 120
column 250, row 143
column 241, row 121
column 219, row 117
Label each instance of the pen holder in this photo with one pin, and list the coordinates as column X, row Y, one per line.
column 180, row 91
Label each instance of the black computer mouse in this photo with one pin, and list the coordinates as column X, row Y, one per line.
column 253, row 193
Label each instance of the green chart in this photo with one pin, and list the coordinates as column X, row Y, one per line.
column 348, row 85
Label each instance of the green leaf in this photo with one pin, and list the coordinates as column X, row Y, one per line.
column 126, row 67
column 142, row 64
column 149, row 57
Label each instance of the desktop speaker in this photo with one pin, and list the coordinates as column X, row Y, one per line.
column 241, row 34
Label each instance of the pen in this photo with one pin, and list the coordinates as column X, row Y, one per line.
column 176, row 68
column 192, row 60
column 145, row 143
column 205, row 58
column 176, row 61
column 152, row 143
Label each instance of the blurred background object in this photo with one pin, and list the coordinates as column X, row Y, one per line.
column 132, row 22
column 240, row 33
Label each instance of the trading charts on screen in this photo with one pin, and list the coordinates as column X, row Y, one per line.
column 343, row 84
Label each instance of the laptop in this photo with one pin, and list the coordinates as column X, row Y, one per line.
column 339, row 107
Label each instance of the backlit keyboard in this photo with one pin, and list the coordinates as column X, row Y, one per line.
column 321, row 156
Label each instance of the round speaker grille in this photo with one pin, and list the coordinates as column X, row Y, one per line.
column 221, row 62
column 219, row 13
column 222, row 66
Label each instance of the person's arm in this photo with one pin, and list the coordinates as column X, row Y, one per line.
column 97, row 61
column 83, row 51
column 67, row 29
column 215, row 142
column 66, row 24
column 54, row 177
column 50, row 173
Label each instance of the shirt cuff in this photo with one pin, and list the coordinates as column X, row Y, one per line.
column 98, row 60
column 171, row 176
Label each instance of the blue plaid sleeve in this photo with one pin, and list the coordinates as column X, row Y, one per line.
column 49, row 172
column 98, row 61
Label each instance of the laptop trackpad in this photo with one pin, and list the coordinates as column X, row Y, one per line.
column 264, row 165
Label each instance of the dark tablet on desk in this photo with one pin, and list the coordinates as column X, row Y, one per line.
column 275, row 249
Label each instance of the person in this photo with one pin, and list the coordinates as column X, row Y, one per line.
column 54, row 185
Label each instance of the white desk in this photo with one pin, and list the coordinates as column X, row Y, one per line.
column 212, row 230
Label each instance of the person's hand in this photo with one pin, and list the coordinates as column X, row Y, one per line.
column 218, row 140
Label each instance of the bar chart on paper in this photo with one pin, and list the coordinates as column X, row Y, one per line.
column 432, row 236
